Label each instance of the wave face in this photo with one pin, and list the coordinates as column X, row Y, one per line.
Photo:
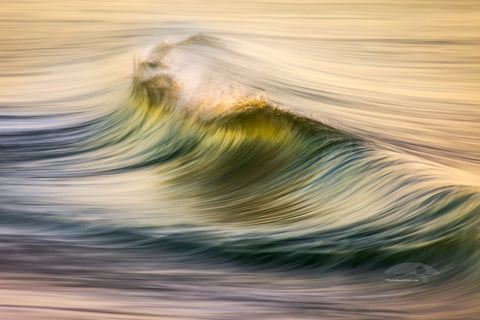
column 195, row 188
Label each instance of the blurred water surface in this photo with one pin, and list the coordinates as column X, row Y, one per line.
column 238, row 160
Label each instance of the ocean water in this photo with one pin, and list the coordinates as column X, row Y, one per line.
column 240, row 160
